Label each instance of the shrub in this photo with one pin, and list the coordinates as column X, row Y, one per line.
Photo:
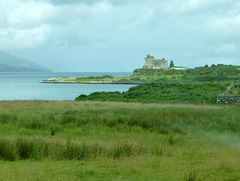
column 162, row 92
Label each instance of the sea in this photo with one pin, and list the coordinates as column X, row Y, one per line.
column 28, row 86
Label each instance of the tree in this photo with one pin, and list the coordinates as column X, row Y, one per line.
column 206, row 65
column 171, row 64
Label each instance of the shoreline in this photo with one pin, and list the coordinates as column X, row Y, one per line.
column 74, row 82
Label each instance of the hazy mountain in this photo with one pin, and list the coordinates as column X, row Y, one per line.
column 9, row 63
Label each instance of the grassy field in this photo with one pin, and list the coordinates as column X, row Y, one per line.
column 43, row 140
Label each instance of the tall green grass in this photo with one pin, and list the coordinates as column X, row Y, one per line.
column 119, row 141
column 167, row 119
column 38, row 149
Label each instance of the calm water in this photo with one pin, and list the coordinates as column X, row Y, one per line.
column 27, row 86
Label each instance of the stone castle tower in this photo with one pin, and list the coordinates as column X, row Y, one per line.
column 152, row 63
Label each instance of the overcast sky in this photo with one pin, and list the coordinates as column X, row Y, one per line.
column 116, row 35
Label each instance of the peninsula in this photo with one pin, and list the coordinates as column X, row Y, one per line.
column 105, row 79
column 150, row 63
column 157, row 70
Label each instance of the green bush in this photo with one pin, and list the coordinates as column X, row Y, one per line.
column 162, row 92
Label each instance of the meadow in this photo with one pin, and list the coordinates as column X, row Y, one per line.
column 83, row 140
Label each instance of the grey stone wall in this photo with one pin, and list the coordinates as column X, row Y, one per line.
column 152, row 63
column 228, row 99
column 225, row 98
column 228, row 89
column 149, row 61
column 161, row 63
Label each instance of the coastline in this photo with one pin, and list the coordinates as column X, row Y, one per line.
column 105, row 79
column 76, row 82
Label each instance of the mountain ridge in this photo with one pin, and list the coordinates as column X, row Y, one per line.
column 9, row 63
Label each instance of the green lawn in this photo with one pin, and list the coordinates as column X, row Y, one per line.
column 78, row 140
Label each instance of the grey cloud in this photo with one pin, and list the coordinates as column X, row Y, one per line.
column 65, row 2
column 119, row 33
column 90, row 2
column 73, row 2
column 124, row 2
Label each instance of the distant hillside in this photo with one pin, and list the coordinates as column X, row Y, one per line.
column 218, row 72
column 9, row 63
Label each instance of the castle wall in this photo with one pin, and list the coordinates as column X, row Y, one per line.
column 152, row 63
column 149, row 61
column 162, row 63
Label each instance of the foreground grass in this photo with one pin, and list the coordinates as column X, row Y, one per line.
column 118, row 141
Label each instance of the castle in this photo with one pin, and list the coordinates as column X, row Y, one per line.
column 152, row 63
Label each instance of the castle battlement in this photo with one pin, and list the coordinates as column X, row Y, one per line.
column 152, row 63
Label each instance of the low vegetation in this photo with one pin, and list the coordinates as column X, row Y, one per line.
column 89, row 140
column 235, row 90
column 214, row 74
column 80, row 140
column 163, row 92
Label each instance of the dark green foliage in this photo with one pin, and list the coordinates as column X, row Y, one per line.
column 171, row 64
column 107, row 76
column 24, row 148
column 96, row 77
column 102, row 96
column 214, row 73
column 5, row 118
column 162, row 92
column 82, row 97
column 6, row 151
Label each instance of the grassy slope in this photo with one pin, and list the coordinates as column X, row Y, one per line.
column 138, row 141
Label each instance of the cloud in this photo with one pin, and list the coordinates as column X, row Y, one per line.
column 72, row 2
column 29, row 14
column 121, row 32
column 228, row 50
column 25, row 38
